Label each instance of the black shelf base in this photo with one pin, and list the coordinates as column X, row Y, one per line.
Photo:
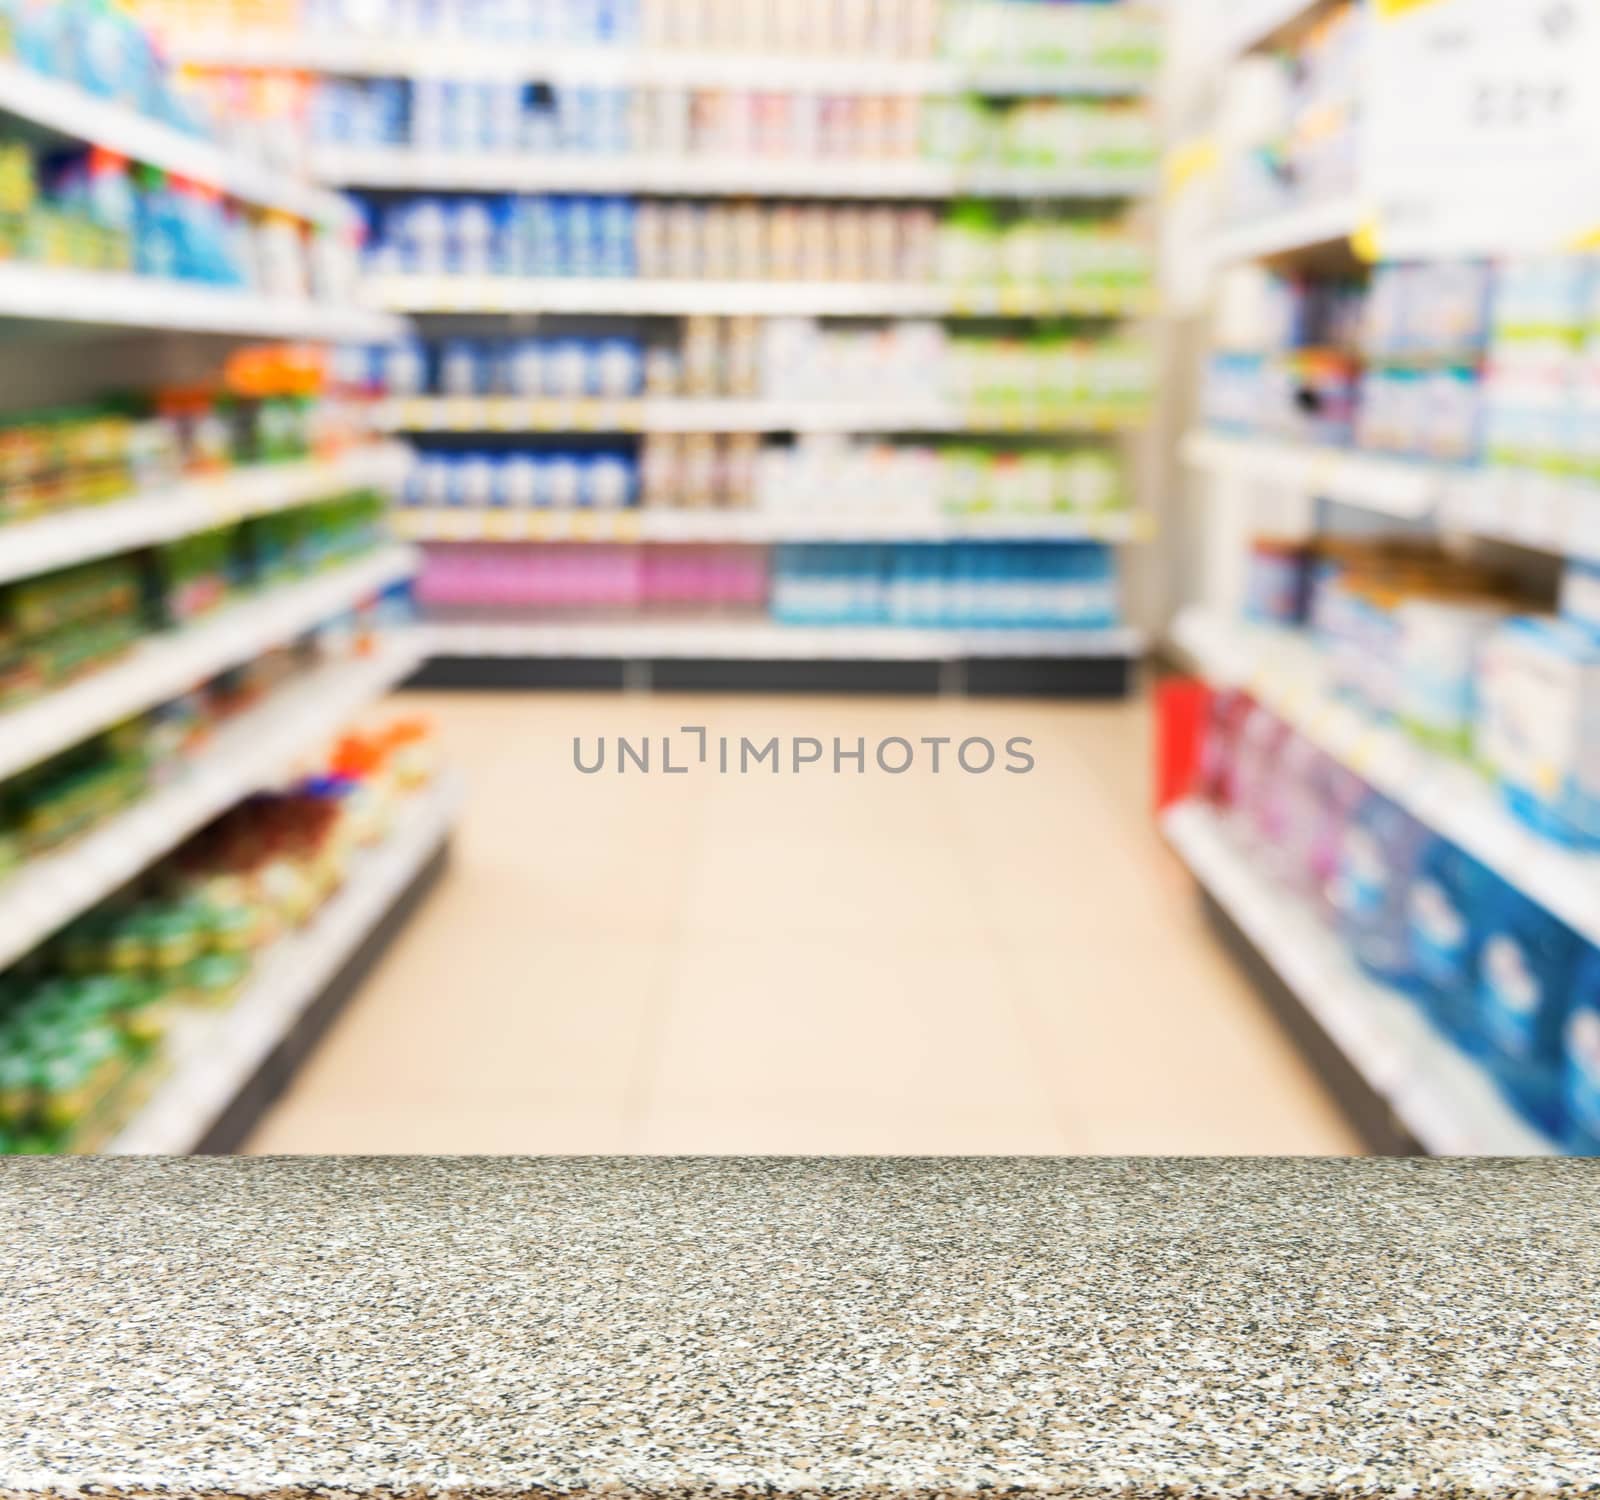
column 1100, row 678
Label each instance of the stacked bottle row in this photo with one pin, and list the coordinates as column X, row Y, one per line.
column 687, row 240
column 975, row 586
column 1046, row 373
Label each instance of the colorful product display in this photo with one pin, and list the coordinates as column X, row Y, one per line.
column 994, row 32
column 1297, row 128
column 59, row 626
column 509, row 115
column 101, row 49
column 1449, row 652
column 1455, row 361
column 273, row 406
column 798, row 360
column 687, row 239
column 1496, row 974
column 92, row 210
column 818, row 475
column 52, row 803
column 498, row 582
column 824, row 474
column 84, row 1020
column 961, row 587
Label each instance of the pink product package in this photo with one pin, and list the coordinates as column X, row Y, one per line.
column 600, row 576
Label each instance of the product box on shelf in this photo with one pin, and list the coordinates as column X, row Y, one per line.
column 1539, row 724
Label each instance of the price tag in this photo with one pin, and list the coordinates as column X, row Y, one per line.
column 499, row 414
column 1483, row 125
column 584, row 526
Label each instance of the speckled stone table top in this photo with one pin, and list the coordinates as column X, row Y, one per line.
column 732, row 1328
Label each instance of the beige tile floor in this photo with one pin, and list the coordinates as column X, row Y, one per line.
column 817, row 964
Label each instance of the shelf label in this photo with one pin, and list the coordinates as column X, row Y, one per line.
column 1483, row 127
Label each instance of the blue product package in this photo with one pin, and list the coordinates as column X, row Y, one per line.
column 426, row 234
column 568, row 368
column 524, row 368
column 1581, row 1072
column 1526, row 969
column 608, row 482
column 334, row 107
column 614, row 253
column 618, row 368
column 1380, row 856
column 470, row 237
column 563, row 475
column 464, row 366
column 402, row 368
column 1539, row 725
column 389, row 100
column 518, row 482
column 474, row 480
column 1444, row 932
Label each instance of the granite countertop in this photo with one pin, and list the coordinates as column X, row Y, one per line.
column 852, row 1327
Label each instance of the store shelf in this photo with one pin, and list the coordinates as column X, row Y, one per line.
column 115, row 300
column 794, row 299
column 32, row 547
column 1443, row 1098
column 247, row 755
column 1287, row 674
column 747, row 638
column 865, row 523
column 217, row 1057
column 1393, row 486
column 402, row 168
column 67, row 112
column 384, row 57
column 512, row 414
column 168, row 665
column 1544, row 512
column 1317, row 226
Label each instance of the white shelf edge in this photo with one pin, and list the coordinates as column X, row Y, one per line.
column 48, row 294
column 1548, row 513
column 745, row 639
column 66, row 110
column 1291, row 232
column 83, row 533
column 462, row 524
column 249, row 754
column 741, row 176
column 1287, row 676
column 1404, row 488
column 1441, row 1096
column 513, row 414
column 170, row 664
column 424, row 293
column 216, row 1056
column 380, row 57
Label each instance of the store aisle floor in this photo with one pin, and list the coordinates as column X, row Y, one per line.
column 816, row 963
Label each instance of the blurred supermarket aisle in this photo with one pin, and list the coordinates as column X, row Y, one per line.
column 821, row 963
